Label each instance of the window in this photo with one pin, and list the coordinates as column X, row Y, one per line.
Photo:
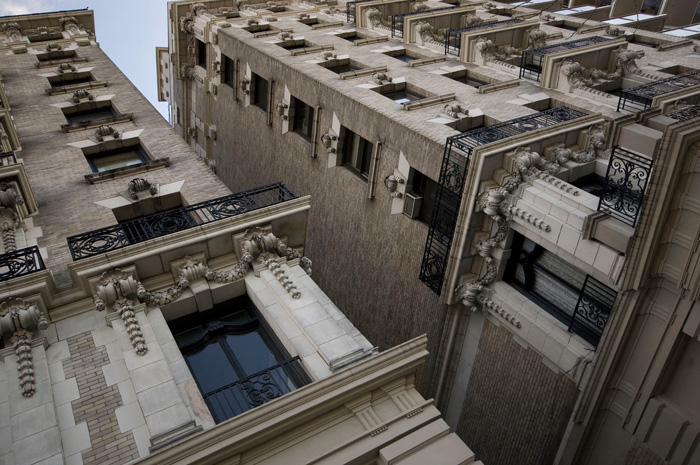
column 64, row 80
column 421, row 185
column 235, row 360
column 402, row 96
column 90, row 114
column 202, row 54
column 356, row 151
column 260, row 92
column 227, row 71
column 303, row 118
column 120, row 158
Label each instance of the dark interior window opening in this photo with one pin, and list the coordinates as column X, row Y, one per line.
column 68, row 82
column 403, row 96
column 119, row 158
column 202, row 54
column 227, row 71
column 303, row 118
column 235, row 359
column 260, row 90
column 468, row 79
column 421, row 185
column 592, row 183
column 90, row 114
column 356, row 151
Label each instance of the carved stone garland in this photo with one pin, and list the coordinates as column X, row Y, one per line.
column 21, row 319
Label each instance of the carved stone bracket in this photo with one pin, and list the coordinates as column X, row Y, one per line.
column 66, row 67
column 597, row 142
column 8, row 225
column 626, row 60
column 81, row 94
column 137, row 185
column 13, row 31
column 21, row 319
column 392, row 183
column 70, row 24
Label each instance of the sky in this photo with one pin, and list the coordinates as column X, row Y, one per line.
column 128, row 31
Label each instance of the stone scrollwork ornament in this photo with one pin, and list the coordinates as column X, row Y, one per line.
column 21, row 319
column 137, row 185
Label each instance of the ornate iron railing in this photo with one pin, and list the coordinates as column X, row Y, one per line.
column 20, row 262
column 397, row 20
column 8, row 158
column 178, row 219
column 453, row 172
column 255, row 390
column 453, row 37
column 641, row 97
column 691, row 111
column 350, row 10
column 531, row 59
column 625, row 182
column 595, row 303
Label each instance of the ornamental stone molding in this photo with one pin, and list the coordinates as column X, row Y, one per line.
column 381, row 78
column 536, row 37
column 490, row 52
column 117, row 291
column 426, row 32
column 53, row 46
column 104, row 131
column 66, row 67
column 471, row 19
column 187, row 24
column 580, row 77
column 419, row 6
column 70, row 24
column 375, row 18
column 626, row 60
column 9, row 222
column 9, row 198
column 21, row 319
column 13, row 31
column 137, row 185
column 455, row 110
column 597, row 142
column 80, row 95
column 328, row 55
column 198, row 9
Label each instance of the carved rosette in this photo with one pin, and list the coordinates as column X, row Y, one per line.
column 21, row 319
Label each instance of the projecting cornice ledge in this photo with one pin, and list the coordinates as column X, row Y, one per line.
column 300, row 407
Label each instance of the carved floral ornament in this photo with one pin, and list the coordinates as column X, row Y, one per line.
column 20, row 320
column 118, row 291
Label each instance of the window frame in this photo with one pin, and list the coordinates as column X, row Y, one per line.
column 364, row 151
column 201, row 54
column 140, row 151
column 227, row 71
column 299, row 107
column 427, row 189
column 260, row 100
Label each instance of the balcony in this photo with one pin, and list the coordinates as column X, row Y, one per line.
column 453, row 172
column 531, row 62
column 397, row 21
column 20, row 262
column 178, row 219
column 642, row 97
column 453, row 37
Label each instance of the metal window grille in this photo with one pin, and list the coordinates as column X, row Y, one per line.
column 594, row 306
column 625, row 182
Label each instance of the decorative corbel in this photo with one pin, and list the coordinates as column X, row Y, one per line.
column 21, row 319
column 8, row 225
column 328, row 140
column 66, row 67
column 392, row 183
column 381, row 78
column 103, row 131
column 78, row 95
column 137, row 185
column 53, row 46
column 245, row 85
column 118, row 291
column 13, row 31
column 198, row 9
column 70, row 24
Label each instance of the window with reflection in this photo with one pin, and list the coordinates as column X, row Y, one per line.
column 235, row 359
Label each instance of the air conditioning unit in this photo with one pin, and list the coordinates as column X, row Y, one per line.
column 411, row 204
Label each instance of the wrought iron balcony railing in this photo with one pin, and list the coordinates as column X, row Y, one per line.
column 8, row 158
column 255, row 390
column 453, row 37
column 178, row 219
column 641, row 97
column 397, row 20
column 625, row 182
column 453, row 172
column 20, row 262
column 691, row 111
column 531, row 60
column 350, row 10
column 595, row 303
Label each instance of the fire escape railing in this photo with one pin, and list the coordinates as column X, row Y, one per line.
column 625, row 182
column 177, row 219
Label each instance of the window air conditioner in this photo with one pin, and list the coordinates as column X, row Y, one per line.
column 411, row 205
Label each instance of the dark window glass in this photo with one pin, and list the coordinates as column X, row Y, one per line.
column 227, row 71
column 549, row 280
column 357, row 152
column 70, row 82
column 402, row 96
column 427, row 188
column 202, row 54
column 303, row 118
column 234, row 360
column 119, row 158
column 260, row 92
column 87, row 115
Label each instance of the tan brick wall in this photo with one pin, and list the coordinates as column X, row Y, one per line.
column 516, row 408
column 97, row 403
column 640, row 454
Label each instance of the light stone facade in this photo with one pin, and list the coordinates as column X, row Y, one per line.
column 113, row 230
column 512, row 151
